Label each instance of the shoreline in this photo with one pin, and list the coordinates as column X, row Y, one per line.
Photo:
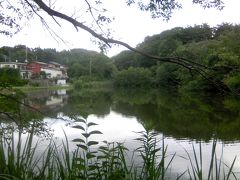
column 33, row 88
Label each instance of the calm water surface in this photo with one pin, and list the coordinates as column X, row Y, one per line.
column 184, row 120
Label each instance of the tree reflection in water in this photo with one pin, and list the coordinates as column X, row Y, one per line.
column 191, row 116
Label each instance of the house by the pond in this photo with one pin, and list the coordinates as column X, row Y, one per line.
column 50, row 70
column 39, row 70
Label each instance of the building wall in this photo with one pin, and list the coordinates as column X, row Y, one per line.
column 61, row 82
column 25, row 74
column 52, row 73
column 9, row 65
column 34, row 67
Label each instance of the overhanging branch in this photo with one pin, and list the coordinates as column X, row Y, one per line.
column 176, row 60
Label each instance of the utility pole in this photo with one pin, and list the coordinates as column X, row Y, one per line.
column 5, row 58
column 26, row 54
column 90, row 67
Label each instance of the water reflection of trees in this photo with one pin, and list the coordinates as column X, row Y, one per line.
column 87, row 102
column 174, row 114
column 181, row 115
column 178, row 115
column 17, row 116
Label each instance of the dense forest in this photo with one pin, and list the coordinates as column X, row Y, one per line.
column 215, row 47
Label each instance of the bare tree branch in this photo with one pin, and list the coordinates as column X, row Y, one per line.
column 51, row 32
column 180, row 61
column 90, row 9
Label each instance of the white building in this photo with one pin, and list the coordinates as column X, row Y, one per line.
column 61, row 82
column 52, row 72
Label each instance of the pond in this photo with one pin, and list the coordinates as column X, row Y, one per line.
column 183, row 120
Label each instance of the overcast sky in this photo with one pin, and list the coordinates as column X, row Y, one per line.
column 130, row 25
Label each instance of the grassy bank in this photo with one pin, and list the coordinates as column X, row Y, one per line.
column 36, row 88
column 93, row 84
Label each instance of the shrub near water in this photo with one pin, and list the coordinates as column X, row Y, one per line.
column 12, row 77
column 233, row 81
column 133, row 77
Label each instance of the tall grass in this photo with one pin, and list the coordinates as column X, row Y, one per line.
column 217, row 169
column 101, row 160
column 154, row 157
column 17, row 159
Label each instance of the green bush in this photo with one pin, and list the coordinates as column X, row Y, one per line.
column 11, row 77
column 233, row 82
column 85, row 82
column 133, row 77
column 166, row 74
column 78, row 84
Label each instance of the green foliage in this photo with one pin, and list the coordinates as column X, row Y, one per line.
column 152, row 167
column 93, row 159
column 196, row 33
column 78, row 84
column 165, row 8
column 19, row 164
column 124, row 60
column 46, row 55
column 89, row 63
column 18, row 52
column 11, row 77
column 167, row 74
column 216, row 47
column 233, row 81
column 133, row 77
column 92, row 83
